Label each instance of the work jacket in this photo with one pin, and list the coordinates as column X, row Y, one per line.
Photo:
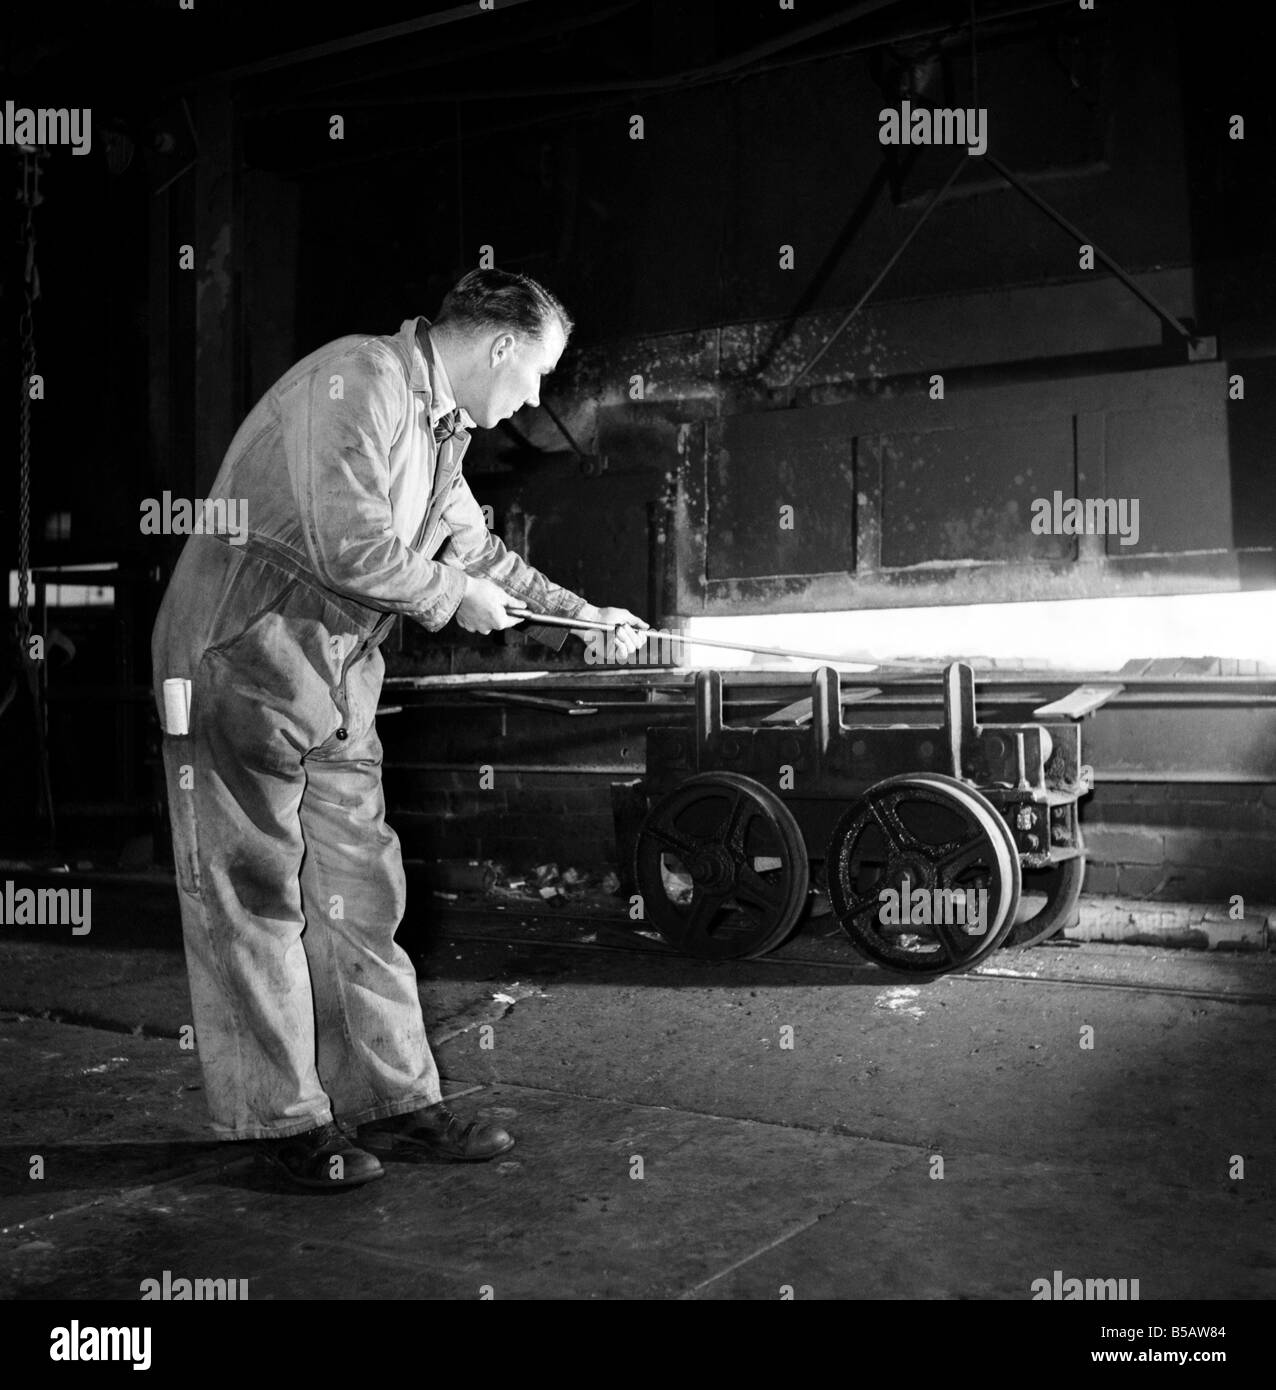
column 353, row 514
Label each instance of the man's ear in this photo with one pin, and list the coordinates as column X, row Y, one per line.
column 502, row 346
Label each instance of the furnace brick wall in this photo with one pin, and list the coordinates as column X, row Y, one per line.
column 525, row 818
column 1195, row 843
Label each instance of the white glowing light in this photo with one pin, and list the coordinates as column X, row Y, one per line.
column 1071, row 634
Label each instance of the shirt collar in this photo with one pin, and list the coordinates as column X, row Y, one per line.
column 429, row 373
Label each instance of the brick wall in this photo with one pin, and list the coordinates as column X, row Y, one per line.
column 523, row 819
column 1182, row 842
column 1197, row 842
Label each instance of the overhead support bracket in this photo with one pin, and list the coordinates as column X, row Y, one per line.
column 1200, row 348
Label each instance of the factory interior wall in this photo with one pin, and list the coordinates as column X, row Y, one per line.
column 591, row 208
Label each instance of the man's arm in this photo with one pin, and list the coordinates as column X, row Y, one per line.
column 338, row 462
column 476, row 550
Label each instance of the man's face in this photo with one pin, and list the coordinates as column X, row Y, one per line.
column 512, row 379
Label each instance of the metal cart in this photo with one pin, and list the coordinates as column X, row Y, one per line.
column 742, row 820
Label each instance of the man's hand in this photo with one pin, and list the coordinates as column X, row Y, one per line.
column 629, row 634
column 486, row 607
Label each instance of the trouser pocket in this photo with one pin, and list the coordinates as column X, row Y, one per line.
column 179, row 769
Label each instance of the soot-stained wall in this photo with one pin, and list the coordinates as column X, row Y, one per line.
column 670, row 251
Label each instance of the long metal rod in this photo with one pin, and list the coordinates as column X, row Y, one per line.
column 580, row 625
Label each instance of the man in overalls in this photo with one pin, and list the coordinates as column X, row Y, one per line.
column 291, row 884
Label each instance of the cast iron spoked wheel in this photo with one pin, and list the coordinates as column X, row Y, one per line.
column 1037, row 920
column 929, row 832
column 1049, row 897
column 722, row 867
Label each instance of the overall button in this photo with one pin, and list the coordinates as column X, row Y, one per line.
column 343, row 734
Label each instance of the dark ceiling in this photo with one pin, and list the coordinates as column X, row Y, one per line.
column 279, row 54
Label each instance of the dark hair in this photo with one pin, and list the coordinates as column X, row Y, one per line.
column 500, row 299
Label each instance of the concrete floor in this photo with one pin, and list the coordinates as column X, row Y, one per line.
column 764, row 1167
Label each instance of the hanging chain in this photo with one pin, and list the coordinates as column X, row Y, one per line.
column 26, row 332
